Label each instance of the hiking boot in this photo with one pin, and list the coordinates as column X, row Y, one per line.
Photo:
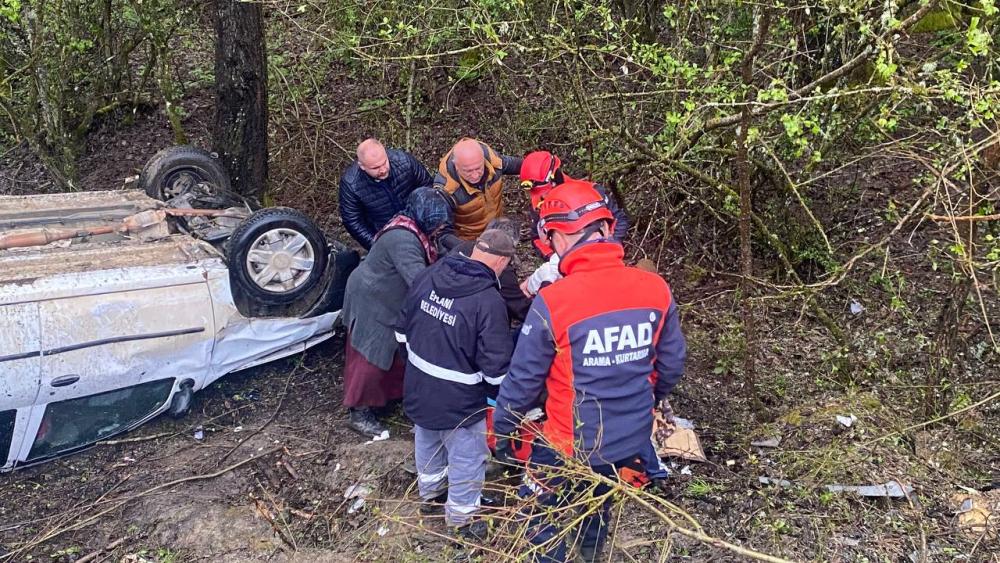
column 434, row 506
column 476, row 531
column 363, row 421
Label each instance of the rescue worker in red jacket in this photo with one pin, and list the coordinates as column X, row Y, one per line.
column 593, row 340
column 540, row 172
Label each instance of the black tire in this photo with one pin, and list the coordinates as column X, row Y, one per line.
column 260, row 232
column 173, row 168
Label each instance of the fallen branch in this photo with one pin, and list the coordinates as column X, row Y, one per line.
column 962, row 218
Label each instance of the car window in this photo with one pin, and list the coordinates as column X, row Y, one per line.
column 77, row 422
column 6, row 434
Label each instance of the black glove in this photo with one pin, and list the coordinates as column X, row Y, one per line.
column 504, row 451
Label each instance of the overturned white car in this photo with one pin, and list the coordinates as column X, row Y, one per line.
column 116, row 306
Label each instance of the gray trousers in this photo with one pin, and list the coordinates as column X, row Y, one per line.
column 454, row 460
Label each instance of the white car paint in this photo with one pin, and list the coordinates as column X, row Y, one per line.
column 77, row 327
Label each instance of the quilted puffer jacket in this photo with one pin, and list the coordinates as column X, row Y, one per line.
column 367, row 204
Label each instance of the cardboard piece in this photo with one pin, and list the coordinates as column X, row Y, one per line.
column 682, row 443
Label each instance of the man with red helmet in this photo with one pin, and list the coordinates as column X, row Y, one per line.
column 594, row 340
column 540, row 172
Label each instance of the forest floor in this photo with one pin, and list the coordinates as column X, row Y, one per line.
column 267, row 480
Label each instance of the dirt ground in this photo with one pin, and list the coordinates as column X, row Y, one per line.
column 267, row 479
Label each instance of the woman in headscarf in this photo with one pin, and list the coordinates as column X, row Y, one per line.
column 373, row 369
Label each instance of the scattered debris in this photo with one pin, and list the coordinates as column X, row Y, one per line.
column 199, row 433
column 848, row 420
column 768, row 443
column 359, row 493
column 336, row 468
column 778, row 482
column 382, row 530
column 682, row 441
column 891, row 489
column 856, row 308
column 730, row 462
column 686, row 470
column 380, row 438
column 238, row 429
column 976, row 514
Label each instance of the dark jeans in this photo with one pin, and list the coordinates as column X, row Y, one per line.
column 553, row 493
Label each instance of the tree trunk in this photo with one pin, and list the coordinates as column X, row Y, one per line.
column 240, row 132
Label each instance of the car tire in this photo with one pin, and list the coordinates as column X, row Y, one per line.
column 276, row 256
column 173, row 169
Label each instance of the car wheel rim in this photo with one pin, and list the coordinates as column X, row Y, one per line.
column 179, row 181
column 280, row 260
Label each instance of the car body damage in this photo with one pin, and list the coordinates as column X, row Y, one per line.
column 100, row 333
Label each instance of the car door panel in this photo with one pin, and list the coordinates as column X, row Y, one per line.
column 20, row 373
column 111, row 361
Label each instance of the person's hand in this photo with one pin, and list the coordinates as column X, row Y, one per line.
column 524, row 289
column 504, row 451
column 664, row 416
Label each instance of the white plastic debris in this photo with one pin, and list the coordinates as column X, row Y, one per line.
column 238, row 429
column 382, row 530
column 337, row 467
column 359, row 493
column 686, row 470
column 856, row 308
column 848, row 420
column 199, row 433
column 891, row 489
column 380, row 438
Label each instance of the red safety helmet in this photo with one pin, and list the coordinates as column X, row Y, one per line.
column 538, row 174
column 572, row 206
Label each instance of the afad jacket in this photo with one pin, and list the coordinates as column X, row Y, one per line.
column 454, row 327
column 367, row 204
column 605, row 343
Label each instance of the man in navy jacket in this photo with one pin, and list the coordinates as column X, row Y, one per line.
column 374, row 188
column 455, row 329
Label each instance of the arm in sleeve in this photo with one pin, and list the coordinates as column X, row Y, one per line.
column 511, row 165
column 529, row 368
column 352, row 214
column 621, row 218
column 493, row 343
column 407, row 254
column 421, row 178
column 510, row 290
column 671, row 351
column 440, row 181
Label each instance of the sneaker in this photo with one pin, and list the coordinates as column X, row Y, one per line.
column 476, row 531
column 363, row 421
column 434, row 505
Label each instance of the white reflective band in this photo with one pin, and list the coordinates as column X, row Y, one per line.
column 465, row 509
column 433, row 478
column 440, row 372
column 400, row 337
column 495, row 380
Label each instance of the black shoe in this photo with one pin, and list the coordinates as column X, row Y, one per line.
column 476, row 531
column 434, row 506
column 363, row 421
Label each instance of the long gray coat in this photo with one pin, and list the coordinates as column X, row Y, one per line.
column 375, row 294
